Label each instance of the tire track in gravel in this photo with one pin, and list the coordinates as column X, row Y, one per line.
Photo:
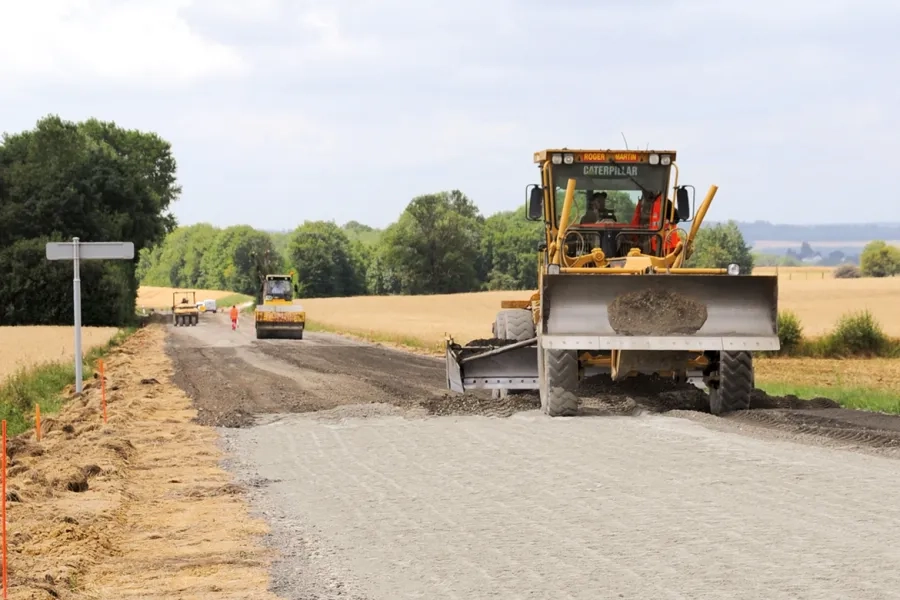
column 367, row 500
column 233, row 378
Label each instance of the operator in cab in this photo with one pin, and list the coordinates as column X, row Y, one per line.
column 649, row 214
column 596, row 210
column 280, row 288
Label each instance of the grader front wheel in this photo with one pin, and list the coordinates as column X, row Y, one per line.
column 558, row 382
column 735, row 384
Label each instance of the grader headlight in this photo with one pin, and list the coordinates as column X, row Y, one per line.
column 568, row 158
column 556, row 159
column 653, row 159
column 734, row 269
column 665, row 160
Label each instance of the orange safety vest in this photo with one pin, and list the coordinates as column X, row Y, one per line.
column 234, row 313
column 655, row 219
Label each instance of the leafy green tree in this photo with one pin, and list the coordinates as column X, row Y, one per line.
column 178, row 261
column 878, row 259
column 237, row 258
column 621, row 204
column 281, row 240
column 327, row 264
column 719, row 246
column 434, row 247
column 357, row 231
column 91, row 180
column 509, row 248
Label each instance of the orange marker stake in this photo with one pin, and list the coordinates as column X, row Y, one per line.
column 3, row 515
column 37, row 421
column 103, row 389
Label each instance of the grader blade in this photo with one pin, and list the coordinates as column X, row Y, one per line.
column 481, row 366
column 660, row 312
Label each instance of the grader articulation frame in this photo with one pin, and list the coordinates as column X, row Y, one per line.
column 614, row 297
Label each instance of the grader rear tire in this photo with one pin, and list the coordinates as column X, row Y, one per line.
column 512, row 324
column 519, row 324
column 736, row 382
column 558, row 382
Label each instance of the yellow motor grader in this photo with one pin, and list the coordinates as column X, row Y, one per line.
column 614, row 295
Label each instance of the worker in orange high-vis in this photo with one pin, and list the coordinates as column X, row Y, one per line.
column 654, row 221
column 234, row 317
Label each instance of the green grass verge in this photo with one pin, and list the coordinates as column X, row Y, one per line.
column 380, row 337
column 848, row 397
column 226, row 301
column 43, row 384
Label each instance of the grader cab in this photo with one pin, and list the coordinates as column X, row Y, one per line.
column 614, row 295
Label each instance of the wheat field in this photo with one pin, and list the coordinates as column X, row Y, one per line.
column 818, row 301
column 25, row 347
column 161, row 297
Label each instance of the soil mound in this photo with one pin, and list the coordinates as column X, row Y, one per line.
column 656, row 312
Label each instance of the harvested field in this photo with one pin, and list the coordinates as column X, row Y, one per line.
column 426, row 319
column 26, row 347
column 764, row 244
column 789, row 273
column 135, row 508
column 422, row 319
column 161, row 297
column 820, row 303
column 875, row 373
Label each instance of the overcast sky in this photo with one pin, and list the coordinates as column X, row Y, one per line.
column 281, row 111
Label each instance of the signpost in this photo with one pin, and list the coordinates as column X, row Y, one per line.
column 77, row 251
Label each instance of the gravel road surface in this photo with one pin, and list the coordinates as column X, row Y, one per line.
column 379, row 484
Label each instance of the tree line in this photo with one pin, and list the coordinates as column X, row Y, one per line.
column 100, row 182
column 440, row 244
column 91, row 180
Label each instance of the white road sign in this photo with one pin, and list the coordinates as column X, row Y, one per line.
column 90, row 250
column 77, row 251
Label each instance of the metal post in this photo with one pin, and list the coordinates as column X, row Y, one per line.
column 76, row 252
column 76, row 288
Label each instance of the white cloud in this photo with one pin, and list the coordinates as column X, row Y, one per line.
column 82, row 41
column 386, row 98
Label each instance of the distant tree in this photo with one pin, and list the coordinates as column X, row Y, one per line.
column 621, row 204
column 178, row 261
column 847, row 271
column 357, row 226
column 834, row 258
column 327, row 264
column 878, row 259
column 237, row 258
column 719, row 246
column 509, row 250
column 381, row 277
column 93, row 180
column 281, row 240
column 434, row 247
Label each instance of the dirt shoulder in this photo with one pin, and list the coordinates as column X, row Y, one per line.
column 135, row 508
